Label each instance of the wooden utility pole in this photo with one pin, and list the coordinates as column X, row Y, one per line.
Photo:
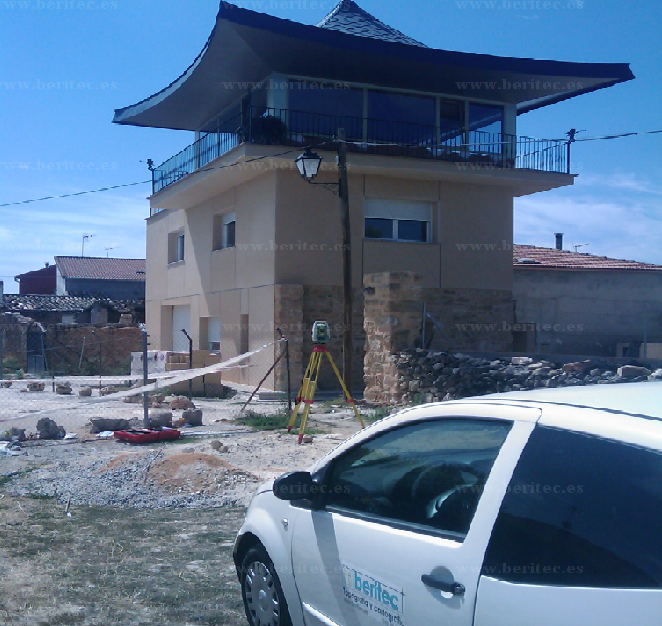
column 348, row 299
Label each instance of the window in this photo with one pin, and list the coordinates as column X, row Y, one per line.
column 175, row 247
column 451, row 122
column 580, row 511
column 485, row 128
column 429, row 474
column 224, row 231
column 321, row 108
column 214, row 333
column 401, row 117
column 398, row 220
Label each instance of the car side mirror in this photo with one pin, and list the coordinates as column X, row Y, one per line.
column 295, row 486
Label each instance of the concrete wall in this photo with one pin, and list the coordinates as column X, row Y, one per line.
column 588, row 312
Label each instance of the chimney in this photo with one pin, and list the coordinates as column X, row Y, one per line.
column 559, row 241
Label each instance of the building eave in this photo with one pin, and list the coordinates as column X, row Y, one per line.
column 262, row 44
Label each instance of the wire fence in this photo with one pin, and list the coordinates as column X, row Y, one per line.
column 73, row 381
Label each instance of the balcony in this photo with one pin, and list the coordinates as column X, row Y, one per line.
column 466, row 148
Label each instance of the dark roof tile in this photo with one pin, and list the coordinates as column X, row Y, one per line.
column 100, row 268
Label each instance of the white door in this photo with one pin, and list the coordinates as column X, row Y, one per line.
column 181, row 319
column 406, row 513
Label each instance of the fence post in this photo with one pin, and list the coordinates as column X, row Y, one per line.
column 143, row 330
column 2, row 353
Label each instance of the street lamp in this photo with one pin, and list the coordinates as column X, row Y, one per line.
column 308, row 165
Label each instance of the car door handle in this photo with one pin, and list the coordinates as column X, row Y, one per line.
column 456, row 589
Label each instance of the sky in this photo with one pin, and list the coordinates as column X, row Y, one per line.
column 65, row 65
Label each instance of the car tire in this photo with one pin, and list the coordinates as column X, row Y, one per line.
column 264, row 601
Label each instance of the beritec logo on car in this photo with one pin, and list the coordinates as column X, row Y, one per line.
column 377, row 598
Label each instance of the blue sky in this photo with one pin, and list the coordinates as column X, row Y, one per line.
column 66, row 65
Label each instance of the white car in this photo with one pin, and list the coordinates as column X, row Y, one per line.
column 535, row 508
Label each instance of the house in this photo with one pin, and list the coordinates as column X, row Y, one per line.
column 121, row 279
column 41, row 281
column 577, row 303
column 239, row 245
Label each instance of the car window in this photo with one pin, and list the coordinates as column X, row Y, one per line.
column 430, row 473
column 580, row 511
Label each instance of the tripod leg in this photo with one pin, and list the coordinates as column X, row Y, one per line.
column 310, row 396
column 350, row 400
column 302, row 392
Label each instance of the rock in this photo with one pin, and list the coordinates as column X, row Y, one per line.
column 36, row 386
column 14, row 434
column 307, row 439
column 179, row 423
column 137, row 399
column 632, row 371
column 521, row 360
column 181, row 403
column 85, row 392
column 159, row 418
column 63, row 389
column 101, row 424
column 157, row 398
column 6, row 384
column 106, row 391
column 193, row 417
column 595, row 372
column 657, row 374
column 48, row 429
column 579, row 367
column 219, row 447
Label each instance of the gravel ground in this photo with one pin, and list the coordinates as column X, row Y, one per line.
column 217, row 465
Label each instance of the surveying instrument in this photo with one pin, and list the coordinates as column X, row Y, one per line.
column 306, row 394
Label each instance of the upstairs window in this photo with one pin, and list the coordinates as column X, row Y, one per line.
column 175, row 247
column 486, row 128
column 224, row 231
column 398, row 220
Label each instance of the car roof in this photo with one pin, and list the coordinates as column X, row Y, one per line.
column 642, row 399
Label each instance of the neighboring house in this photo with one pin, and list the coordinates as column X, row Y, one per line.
column 578, row 303
column 122, row 279
column 41, row 281
column 434, row 163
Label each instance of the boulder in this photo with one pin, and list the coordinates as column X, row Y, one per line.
column 219, row 447
column 34, row 385
column 14, row 434
column 48, row 429
column 6, row 384
column 657, row 374
column 101, row 424
column 136, row 399
column 579, row 367
column 106, row 391
column 159, row 418
column 85, row 392
column 521, row 360
column 632, row 371
column 181, row 403
column 157, row 398
column 192, row 417
column 63, row 389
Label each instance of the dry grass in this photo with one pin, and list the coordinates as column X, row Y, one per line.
column 117, row 567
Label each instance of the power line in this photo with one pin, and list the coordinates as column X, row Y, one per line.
column 269, row 156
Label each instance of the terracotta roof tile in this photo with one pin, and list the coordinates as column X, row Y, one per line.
column 100, row 268
column 531, row 257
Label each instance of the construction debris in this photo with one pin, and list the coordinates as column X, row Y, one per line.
column 192, row 417
column 159, row 418
column 101, row 424
column 34, row 385
column 63, row 389
column 181, row 403
column 48, row 429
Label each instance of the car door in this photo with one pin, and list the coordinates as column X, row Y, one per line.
column 405, row 520
column 578, row 538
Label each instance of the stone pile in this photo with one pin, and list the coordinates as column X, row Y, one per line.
column 428, row 376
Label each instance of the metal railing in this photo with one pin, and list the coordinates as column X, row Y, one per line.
column 467, row 148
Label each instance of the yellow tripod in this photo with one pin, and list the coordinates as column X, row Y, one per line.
column 309, row 385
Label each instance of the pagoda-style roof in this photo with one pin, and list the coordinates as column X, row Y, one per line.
column 350, row 45
column 348, row 17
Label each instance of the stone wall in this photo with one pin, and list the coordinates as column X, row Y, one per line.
column 472, row 319
column 430, row 376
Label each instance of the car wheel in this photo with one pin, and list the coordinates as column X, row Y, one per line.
column 260, row 588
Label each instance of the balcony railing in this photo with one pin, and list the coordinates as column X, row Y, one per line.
column 468, row 149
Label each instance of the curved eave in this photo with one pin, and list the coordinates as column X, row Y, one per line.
column 245, row 47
